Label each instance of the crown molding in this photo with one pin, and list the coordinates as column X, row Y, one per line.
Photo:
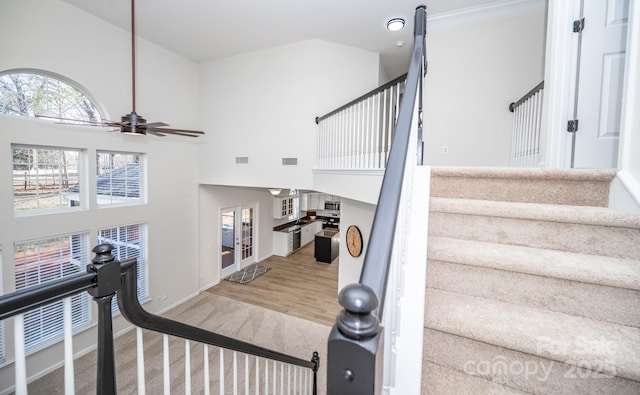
column 496, row 10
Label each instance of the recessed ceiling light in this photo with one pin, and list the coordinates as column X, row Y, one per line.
column 395, row 24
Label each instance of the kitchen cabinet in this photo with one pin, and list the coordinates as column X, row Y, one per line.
column 284, row 207
column 315, row 201
column 309, row 231
column 282, row 243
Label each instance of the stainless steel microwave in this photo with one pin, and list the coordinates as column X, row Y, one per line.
column 332, row 205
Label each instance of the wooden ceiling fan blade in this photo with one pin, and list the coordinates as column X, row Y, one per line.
column 104, row 122
column 156, row 124
column 187, row 131
column 155, row 133
column 177, row 132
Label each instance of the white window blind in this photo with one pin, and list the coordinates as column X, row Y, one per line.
column 44, row 260
column 1, row 322
column 118, row 178
column 129, row 241
column 45, row 178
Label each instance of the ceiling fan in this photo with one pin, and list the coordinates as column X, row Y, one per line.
column 133, row 123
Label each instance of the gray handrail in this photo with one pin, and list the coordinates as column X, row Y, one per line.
column 363, row 97
column 536, row 89
column 356, row 341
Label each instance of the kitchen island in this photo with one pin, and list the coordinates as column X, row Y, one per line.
column 327, row 245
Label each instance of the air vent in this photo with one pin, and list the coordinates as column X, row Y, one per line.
column 289, row 161
column 242, row 160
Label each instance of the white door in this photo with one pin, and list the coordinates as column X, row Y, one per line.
column 237, row 238
column 600, row 83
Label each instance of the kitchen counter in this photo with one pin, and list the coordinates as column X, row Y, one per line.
column 327, row 232
column 294, row 225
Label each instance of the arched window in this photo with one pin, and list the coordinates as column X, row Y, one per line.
column 33, row 93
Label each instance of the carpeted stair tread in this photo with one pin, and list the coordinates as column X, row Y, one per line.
column 556, row 336
column 592, row 269
column 604, row 175
column 576, row 187
column 457, row 362
column 443, row 380
column 585, row 215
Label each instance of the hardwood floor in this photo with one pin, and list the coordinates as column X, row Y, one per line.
column 296, row 285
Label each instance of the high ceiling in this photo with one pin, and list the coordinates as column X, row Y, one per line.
column 203, row 30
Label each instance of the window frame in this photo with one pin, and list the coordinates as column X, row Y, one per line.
column 142, row 187
column 102, row 114
column 80, row 178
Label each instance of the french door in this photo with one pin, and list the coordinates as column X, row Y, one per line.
column 237, row 240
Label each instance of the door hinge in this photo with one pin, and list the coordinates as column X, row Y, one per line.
column 572, row 126
column 578, row 25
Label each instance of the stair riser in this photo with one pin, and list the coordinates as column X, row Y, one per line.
column 593, row 301
column 566, row 192
column 517, row 370
column 589, row 239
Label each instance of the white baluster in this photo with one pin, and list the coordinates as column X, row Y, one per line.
column 246, row 374
column 69, row 382
column 165, row 365
column 20, row 365
column 289, row 379
column 140, row 360
column 207, row 390
column 221, row 370
column 235, row 373
column 187, row 368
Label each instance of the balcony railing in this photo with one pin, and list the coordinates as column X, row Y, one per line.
column 104, row 278
column 358, row 135
column 527, row 123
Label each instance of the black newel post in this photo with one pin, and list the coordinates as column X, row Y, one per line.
column 107, row 271
column 316, row 364
column 355, row 344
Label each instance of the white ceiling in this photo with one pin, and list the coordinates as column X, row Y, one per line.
column 203, row 30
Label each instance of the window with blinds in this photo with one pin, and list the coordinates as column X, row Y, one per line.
column 129, row 241
column 1, row 322
column 44, row 260
column 118, row 178
column 45, row 178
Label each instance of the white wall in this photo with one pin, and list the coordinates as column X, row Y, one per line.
column 263, row 105
column 475, row 71
column 212, row 200
column 54, row 36
column 353, row 212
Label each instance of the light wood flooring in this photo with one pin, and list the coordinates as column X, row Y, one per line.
column 296, row 285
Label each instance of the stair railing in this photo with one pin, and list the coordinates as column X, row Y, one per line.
column 527, row 122
column 356, row 349
column 358, row 134
column 104, row 278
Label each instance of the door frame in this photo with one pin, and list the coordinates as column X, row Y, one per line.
column 239, row 263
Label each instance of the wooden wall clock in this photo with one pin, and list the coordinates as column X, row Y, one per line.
column 354, row 241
